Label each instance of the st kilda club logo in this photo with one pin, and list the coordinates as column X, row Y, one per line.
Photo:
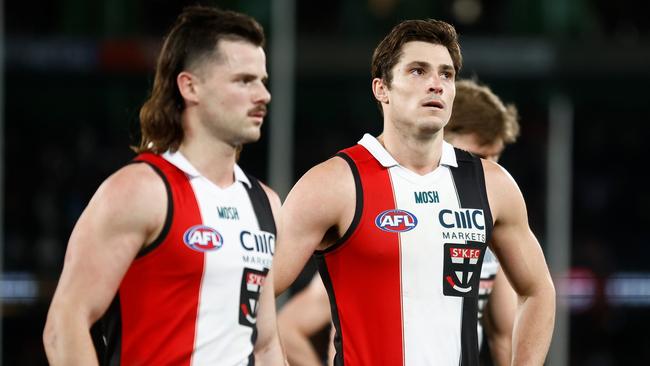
column 249, row 296
column 462, row 269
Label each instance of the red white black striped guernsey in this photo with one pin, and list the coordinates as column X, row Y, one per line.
column 190, row 298
column 403, row 280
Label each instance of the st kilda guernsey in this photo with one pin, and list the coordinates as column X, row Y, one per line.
column 403, row 280
column 191, row 297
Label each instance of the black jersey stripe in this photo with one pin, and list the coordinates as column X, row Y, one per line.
column 338, row 335
column 106, row 335
column 261, row 205
column 469, row 181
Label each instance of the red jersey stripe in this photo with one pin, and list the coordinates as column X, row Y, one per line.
column 365, row 275
column 159, row 294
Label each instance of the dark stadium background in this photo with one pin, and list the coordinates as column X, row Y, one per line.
column 75, row 73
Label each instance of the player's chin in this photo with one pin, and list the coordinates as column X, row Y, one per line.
column 252, row 135
column 430, row 126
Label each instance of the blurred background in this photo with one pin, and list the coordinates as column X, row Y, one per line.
column 75, row 72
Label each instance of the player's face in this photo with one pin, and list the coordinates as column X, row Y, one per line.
column 470, row 142
column 423, row 88
column 233, row 94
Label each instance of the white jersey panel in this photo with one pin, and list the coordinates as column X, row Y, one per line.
column 220, row 339
column 426, row 311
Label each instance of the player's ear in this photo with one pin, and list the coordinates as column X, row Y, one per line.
column 380, row 90
column 187, row 86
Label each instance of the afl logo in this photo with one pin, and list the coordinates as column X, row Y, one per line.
column 203, row 238
column 396, row 221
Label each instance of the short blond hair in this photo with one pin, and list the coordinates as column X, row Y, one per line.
column 479, row 111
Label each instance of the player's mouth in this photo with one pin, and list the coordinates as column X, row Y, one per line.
column 433, row 103
column 258, row 112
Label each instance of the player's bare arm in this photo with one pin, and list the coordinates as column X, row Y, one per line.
column 316, row 212
column 498, row 319
column 301, row 317
column 268, row 349
column 127, row 211
column 523, row 263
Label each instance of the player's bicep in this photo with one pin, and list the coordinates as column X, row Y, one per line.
column 313, row 207
column 110, row 232
column 513, row 242
column 310, row 210
column 519, row 254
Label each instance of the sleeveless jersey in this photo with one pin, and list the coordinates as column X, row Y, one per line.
column 403, row 279
column 190, row 298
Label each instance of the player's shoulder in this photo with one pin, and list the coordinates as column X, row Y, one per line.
column 332, row 167
column 136, row 176
column 496, row 175
column 503, row 192
column 333, row 172
column 327, row 183
column 132, row 185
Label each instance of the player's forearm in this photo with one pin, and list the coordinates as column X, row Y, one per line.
column 270, row 353
column 67, row 342
column 282, row 280
column 501, row 350
column 533, row 327
column 300, row 351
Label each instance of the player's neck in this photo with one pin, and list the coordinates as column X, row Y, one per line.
column 421, row 156
column 215, row 160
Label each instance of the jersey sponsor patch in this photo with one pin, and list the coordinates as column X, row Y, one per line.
column 228, row 213
column 396, row 221
column 465, row 224
column 427, row 197
column 462, row 268
column 202, row 238
column 257, row 241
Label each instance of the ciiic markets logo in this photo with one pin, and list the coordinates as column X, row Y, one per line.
column 202, row 238
column 462, row 266
column 396, row 221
